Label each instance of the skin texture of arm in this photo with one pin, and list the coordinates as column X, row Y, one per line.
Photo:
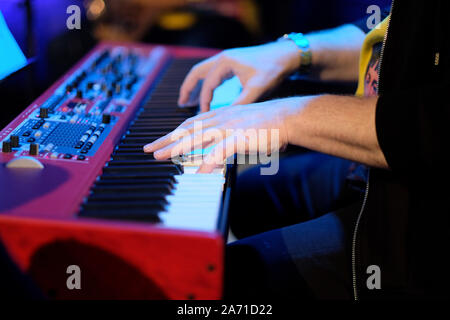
column 336, row 53
column 335, row 57
column 342, row 126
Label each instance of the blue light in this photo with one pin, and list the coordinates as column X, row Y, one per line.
column 11, row 56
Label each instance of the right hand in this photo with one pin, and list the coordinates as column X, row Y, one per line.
column 259, row 69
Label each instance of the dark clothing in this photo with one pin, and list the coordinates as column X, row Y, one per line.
column 312, row 206
column 405, row 227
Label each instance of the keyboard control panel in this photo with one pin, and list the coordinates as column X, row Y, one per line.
column 79, row 115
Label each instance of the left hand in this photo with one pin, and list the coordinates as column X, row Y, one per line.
column 249, row 129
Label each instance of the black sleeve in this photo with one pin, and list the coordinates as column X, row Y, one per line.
column 362, row 23
column 413, row 129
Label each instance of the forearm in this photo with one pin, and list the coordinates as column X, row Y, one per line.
column 335, row 53
column 342, row 126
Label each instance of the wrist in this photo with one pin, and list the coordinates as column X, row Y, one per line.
column 293, row 123
column 291, row 55
column 303, row 50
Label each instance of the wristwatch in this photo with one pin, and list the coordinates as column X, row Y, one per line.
column 304, row 49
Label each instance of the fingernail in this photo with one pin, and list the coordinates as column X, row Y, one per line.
column 157, row 154
column 148, row 148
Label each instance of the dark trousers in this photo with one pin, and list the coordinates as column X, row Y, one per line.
column 295, row 229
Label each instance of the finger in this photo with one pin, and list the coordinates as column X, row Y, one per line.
column 185, row 129
column 162, row 142
column 213, row 79
column 190, row 143
column 224, row 149
column 197, row 73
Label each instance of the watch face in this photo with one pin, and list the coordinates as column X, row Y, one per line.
column 304, row 43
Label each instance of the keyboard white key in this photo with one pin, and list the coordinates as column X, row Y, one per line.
column 195, row 202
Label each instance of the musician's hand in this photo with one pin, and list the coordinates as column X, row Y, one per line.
column 245, row 129
column 258, row 68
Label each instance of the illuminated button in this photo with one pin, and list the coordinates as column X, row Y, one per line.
column 46, row 125
column 84, row 138
column 74, row 119
column 49, row 147
column 54, row 155
column 38, row 134
column 92, row 139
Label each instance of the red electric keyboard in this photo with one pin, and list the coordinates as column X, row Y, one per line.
column 76, row 188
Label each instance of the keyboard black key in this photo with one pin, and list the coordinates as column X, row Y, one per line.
column 121, row 197
column 153, row 130
column 124, row 146
column 124, row 206
column 135, row 182
column 162, row 168
column 140, row 155
column 137, row 175
column 147, row 135
column 140, row 140
column 140, row 162
column 165, row 188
